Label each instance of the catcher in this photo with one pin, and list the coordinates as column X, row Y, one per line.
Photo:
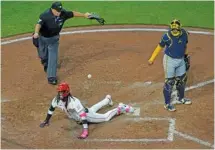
column 82, row 115
column 176, row 62
column 46, row 36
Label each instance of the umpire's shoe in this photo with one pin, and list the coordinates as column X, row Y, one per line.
column 52, row 80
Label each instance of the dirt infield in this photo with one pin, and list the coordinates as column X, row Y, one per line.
column 118, row 64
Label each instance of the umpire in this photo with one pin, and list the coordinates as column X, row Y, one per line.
column 46, row 36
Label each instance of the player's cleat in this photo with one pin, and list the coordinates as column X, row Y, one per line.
column 169, row 107
column 84, row 134
column 110, row 100
column 123, row 108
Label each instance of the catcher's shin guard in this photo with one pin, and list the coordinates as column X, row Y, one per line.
column 180, row 85
column 167, row 89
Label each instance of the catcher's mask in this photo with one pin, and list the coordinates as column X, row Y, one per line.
column 175, row 27
column 63, row 90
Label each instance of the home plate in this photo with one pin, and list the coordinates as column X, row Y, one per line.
column 135, row 113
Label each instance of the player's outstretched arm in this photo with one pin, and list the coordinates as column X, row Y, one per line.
column 49, row 113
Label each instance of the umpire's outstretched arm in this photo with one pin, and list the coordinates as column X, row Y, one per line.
column 79, row 14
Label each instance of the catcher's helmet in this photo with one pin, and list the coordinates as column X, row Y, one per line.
column 175, row 27
column 63, row 89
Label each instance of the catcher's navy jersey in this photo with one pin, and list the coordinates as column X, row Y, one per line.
column 175, row 46
column 52, row 25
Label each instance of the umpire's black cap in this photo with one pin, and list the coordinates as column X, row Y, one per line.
column 57, row 6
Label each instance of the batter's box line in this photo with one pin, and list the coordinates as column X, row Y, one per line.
column 188, row 137
column 170, row 137
column 171, row 129
column 127, row 140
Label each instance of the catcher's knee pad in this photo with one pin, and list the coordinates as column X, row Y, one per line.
column 169, row 83
column 181, row 80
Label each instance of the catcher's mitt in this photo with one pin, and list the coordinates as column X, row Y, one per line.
column 97, row 18
column 187, row 62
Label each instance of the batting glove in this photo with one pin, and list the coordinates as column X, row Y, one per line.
column 43, row 124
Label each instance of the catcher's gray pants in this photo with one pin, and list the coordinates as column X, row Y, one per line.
column 173, row 67
column 48, row 52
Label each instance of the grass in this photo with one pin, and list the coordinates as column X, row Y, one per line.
column 21, row 16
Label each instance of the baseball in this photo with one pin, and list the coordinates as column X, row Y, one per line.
column 89, row 76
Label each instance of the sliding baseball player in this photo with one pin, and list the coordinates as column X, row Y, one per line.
column 76, row 111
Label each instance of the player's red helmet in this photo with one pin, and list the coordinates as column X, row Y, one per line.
column 64, row 89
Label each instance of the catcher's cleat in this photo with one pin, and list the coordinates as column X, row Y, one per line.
column 123, row 108
column 110, row 100
column 185, row 101
column 169, row 107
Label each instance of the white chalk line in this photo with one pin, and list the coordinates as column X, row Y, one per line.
column 198, row 85
column 171, row 129
column 201, row 84
column 5, row 100
column 127, row 140
column 193, row 139
column 106, row 30
column 149, row 119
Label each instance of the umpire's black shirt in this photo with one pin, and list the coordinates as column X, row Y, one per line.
column 51, row 25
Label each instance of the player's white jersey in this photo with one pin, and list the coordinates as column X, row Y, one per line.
column 73, row 108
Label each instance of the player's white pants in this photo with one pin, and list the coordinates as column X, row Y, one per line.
column 94, row 117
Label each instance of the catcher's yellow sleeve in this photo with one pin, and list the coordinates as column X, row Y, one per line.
column 155, row 53
column 186, row 52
